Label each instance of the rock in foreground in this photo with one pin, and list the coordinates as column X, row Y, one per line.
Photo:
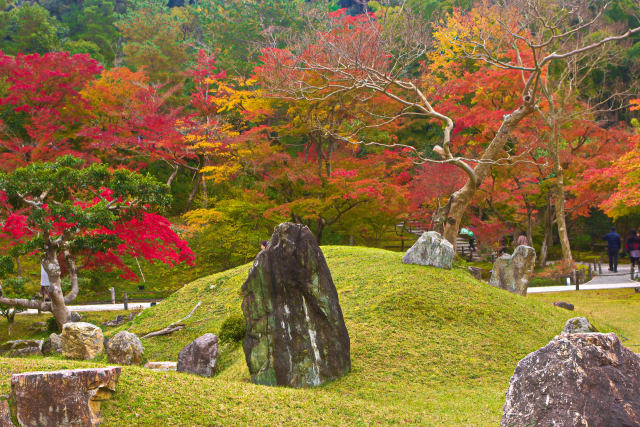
column 199, row 357
column 513, row 272
column 296, row 334
column 125, row 348
column 578, row 325
column 576, row 380
column 81, row 340
column 430, row 249
column 62, row 398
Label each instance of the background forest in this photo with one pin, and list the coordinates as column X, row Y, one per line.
column 191, row 93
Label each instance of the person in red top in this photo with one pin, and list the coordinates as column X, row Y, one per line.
column 632, row 246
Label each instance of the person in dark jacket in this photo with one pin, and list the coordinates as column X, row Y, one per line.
column 614, row 244
column 632, row 246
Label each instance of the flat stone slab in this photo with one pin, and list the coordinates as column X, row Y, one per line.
column 162, row 366
column 63, row 398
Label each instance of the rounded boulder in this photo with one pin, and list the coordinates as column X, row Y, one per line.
column 125, row 348
column 81, row 340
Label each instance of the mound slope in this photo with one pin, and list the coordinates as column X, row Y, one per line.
column 428, row 346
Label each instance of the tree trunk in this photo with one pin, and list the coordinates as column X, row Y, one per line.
column 58, row 306
column 558, row 196
column 567, row 258
column 194, row 191
column 172, row 176
column 462, row 198
column 548, row 234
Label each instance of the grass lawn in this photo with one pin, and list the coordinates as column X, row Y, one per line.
column 609, row 309
column 428, row 347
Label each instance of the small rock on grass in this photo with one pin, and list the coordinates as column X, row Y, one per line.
column 565, row 305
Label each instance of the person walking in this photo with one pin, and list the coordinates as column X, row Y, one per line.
column 472, row 238
column 44, row 284
column 522, row 239
column 613, row 246
column 632, row 246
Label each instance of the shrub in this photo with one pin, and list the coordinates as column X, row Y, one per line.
column 233, row 328
column 52, row 326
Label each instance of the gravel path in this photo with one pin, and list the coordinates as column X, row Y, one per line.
column 608, row 280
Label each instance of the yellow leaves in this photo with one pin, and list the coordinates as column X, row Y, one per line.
column 221, row 173
column 200, row 217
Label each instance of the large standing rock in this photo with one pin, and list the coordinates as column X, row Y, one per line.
column 21, row 348
column 513, row 272
column 125, row 348
column 578, row 325
column 430, row 249
column 296, row 334
column 52, row 345
column 62, row 398
column 81, row 340
column 200, row 356
column 576, row 380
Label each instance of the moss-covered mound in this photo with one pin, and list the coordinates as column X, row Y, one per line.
column 428, row 346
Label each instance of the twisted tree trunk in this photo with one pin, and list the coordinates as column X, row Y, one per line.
column 461, row 199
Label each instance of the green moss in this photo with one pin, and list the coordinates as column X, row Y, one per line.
column 428, row 347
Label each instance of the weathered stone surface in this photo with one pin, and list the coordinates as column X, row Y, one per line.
column 5, row 413
column 81, row 340
column 52, row 345
column 162, row 366
column 200, row 356
column 576, row 380
column 21, row 348
column 62, row 398
column 578, row 325
column 296, row 334
column 119, row 320
column 513, row 272
column 125, row 348
column 475, row 272
column 430, row 249
column 565, row 305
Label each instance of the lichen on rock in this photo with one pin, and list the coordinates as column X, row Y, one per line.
column 296, row 335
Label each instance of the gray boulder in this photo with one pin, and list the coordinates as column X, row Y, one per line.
column 575, row 380
column 200, row 356
column 125, row 348
column 430, row 249
column 578, row 325
column 296, row 335
column 21, row 348
column 513, row 272
column 53, row 345
column 74, row 317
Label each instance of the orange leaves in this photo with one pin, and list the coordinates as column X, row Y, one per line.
column 635, row 104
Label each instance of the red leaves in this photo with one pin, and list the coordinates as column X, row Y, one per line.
column 16, row 227
column 46, row 89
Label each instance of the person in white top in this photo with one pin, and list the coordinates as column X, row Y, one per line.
column 44, row 283
column 522, row 239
